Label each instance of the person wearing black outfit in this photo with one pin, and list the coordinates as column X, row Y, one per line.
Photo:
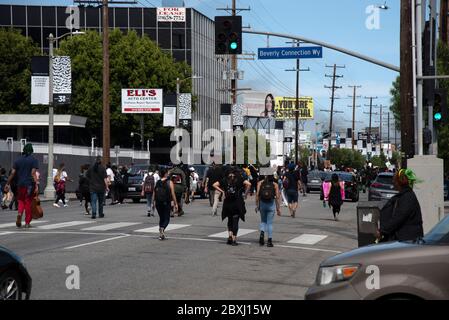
column 233, row 186
column 291, row 184
column 335, row 198
column 304, row 179
column 255, row 178
column 214, row 174
column 98, row 185
column 163, row 195
column 400, row 218
column 83, row 188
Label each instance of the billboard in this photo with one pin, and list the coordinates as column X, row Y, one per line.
column 285, row 108
column 258, row 104
column 173, row 14
column 142, row 101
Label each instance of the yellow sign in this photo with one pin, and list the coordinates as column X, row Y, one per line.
column 285, row 108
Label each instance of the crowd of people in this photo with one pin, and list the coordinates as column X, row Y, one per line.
column 166, row 189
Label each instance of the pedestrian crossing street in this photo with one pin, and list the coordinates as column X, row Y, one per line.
column 96, row 226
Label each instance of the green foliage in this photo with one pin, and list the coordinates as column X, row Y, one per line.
column 15, row 70
column 396, row 102
column 347, row 158
column 135, row 62
column 260, row 139
column 379, row 161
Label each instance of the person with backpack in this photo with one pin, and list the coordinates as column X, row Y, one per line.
column 163, row 195
column 60, row 180
column 83, row 188
column 267, row 196
column 336, row 195
column 178, row 177
column 232, row 187
column 149, row 181
column 291, row 184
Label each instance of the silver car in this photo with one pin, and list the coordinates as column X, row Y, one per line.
column 406, row 270
column 382, row 188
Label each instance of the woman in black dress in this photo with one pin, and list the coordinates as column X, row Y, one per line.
column 335, row 197
column 232, row 187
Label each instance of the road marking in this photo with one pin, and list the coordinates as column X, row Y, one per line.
column 95, row 242
column 5, row 233
column 225, row 234
column 304, row 248
column 64, row 225
column 111, row 226
column 169, row 228
column 13, row 224
column 310, row 239
column 168, row 237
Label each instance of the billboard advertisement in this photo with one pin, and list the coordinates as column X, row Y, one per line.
column 258, row 104
column 173, row 14
column 145, row 101
column 285, row 108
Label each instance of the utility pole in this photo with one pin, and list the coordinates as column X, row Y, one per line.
column 297, row 70
column 142, row 140
column 444, row 21
column 406, row 82
column 106, row 110
column 234, row 64
column 334, row 77
column 354, row 96
column 370, row 114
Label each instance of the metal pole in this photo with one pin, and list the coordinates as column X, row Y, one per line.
column 370, row 116
column 297, row 112
column 178, row 89
column 106, row 108
column 419, row 17
column 49, row 192
column 142, row 143
column 332, row 107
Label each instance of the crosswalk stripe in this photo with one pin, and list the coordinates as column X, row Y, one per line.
column 225, row 234
column 13, row 224
column 5, row 233
column 169, row 228
column 111, row 226
column 310, row 239
column 64, row 225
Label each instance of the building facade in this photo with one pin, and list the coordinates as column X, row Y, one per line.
column 191, row 41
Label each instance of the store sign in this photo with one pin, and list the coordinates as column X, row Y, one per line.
column 171, row 14
column 142, row 101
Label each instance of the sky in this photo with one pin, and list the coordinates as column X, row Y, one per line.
column 341, row 23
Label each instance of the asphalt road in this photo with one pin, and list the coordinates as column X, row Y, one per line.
column 119, row 257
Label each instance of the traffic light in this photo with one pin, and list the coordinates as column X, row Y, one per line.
column 440, row 112
column 228, row 35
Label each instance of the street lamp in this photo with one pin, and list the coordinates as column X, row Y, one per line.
column 49, row 191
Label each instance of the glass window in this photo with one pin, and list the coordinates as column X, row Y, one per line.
column 149, row 16
column 189, row 39
column 135, row 17
column 164, row 38
column 439, row 233
column 62, row 16
column 179, row 39
column 82, row 20
column 179, row 55
column 110, row 17
column 49, row 16
column 35, row 34
column 18, row 15
column 47, row 32
column 164, row 25
column 92, row 16
column 5, row 15
column 121, row 17
column 189, row 57
column 34, row 15
column 151, row 33
column 385, row 179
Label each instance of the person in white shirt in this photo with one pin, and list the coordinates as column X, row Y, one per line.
column 194, row 178
column 112, row 186
column 60, row 179
column 148, row 189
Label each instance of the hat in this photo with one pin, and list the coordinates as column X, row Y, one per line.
column 291, row 166
column 192, row 169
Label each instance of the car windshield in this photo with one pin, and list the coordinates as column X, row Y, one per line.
column 383, row 179
column 200, row 170
column 314, row 175
column 347, row 177
column 138, row 169
column 439, row 233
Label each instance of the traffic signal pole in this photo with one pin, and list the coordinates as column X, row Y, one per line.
column 234, row 67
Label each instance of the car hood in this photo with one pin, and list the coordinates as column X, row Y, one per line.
column 373, row 253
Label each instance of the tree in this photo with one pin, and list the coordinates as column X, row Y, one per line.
column 135, row 62
column 396, row 102
column 15, row 69
column 347, row 158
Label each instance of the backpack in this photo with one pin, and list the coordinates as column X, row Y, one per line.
column 231, row 191
column 148, row 184
column 267, row 191
column 118, row 178
column 162, row 192
column 285, row 183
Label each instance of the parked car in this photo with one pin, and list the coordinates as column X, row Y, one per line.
column 351, row 184
column 382, row 188
column 134, row 188
column 406, row 270
column 314, row 180
column 15, row 281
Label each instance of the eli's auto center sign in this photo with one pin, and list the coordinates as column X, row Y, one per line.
column 142, row 100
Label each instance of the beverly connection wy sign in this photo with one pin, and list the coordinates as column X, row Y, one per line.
column 290, row 53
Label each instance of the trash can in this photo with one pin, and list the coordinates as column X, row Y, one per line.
column 368, row 216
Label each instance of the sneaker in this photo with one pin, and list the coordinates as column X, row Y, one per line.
column 262, row 238
column 56, row 205
column 270, row 243
column 101, row 215
column 87, row 213
column 229, row 241
column 94, row 217
column 234, row 243
column 65, row 206
column 19, row 221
